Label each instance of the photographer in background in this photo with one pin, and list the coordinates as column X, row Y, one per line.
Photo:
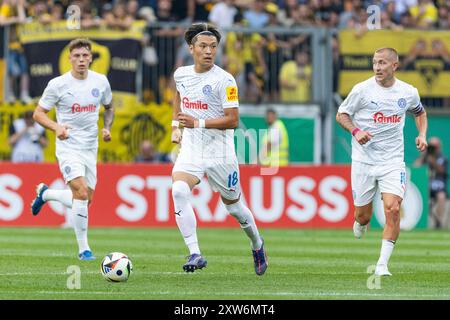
column 27, row 139
column 437, row 164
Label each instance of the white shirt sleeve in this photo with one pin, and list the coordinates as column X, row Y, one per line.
column 228, row 93
column 49, row 97
column 415, row 105
column 351, row 104
column 107, row 95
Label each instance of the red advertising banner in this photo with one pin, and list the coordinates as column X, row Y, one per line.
column 139, row 195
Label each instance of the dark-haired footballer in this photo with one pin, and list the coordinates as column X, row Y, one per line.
column 207, row 106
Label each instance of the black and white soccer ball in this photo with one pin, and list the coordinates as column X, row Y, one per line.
column 116, row 267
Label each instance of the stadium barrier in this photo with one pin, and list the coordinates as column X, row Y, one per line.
column 139, row 195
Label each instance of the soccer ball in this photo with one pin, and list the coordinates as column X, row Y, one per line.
column 116, row 267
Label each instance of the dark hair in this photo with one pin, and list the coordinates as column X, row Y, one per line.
column 80, row 43
column 271, row 110
column 204, row 28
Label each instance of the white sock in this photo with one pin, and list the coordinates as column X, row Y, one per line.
column 184, row 215
column 80, row 222
column 387, row 246
column 63, row 196
column 247, row 222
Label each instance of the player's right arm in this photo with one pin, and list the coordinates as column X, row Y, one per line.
column 48, row 100
column 41, row 117
column 176, row 132
column 343, row 117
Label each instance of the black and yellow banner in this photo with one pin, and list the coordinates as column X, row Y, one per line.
column 424, row 58
column 115, row 53
column 2, row 63
column 131, row 126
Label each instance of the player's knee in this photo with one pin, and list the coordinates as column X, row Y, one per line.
column 362, row 217
column 234, row 208
column 363, row 220
column 180, row 190
column 81, row 194
column 392, row 212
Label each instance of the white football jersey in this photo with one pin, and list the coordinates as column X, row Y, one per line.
column 205, row 96
column 381, row 111
column 77, row 104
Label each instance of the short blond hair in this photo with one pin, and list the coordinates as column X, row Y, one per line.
column 392, row 52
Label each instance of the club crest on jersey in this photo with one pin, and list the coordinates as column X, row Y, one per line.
column 207, row 90
column 67, row 169
column 194, row 104
column 232, row 93
column 95, row 92
column 402, row 103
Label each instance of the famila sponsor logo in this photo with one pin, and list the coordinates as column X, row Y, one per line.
column 89, row 108
column 194, row 104
column 379, row 117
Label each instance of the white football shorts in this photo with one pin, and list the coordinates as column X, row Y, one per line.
column 223, row 174
column 78, row 163
column 366, row 178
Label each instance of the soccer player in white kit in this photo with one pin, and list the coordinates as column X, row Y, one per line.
column 207, row 106
column 77, row 96
column 374, row 112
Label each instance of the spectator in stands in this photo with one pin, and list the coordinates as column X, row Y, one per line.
column 199, row 10
column 147, row 153
column 327, row 14
column 407, row 21
column 120, row 19
column 272, row 50
column 275, row 143
column 286, row 15
column 425, row 14
column 256, row 16
column 164, row 39
column 89, row 20
column 132, row 9
column 438, row 174
column 391, row 10
column 244, row 54
column 295, row 79
column 222, row 14
column 402, row 6
column 27, row 139
column 41, row 12
column 444, row 17
column 12, row 13
column 347, row 15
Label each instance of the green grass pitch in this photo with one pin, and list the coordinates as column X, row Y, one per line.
column 303, row 264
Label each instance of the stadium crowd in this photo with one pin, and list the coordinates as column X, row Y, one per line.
column 269, row 67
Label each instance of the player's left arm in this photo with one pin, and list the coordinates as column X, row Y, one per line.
column 422, row 125
column 108, row 119
column 229, row 121
column 421, row 122
column 108, row 115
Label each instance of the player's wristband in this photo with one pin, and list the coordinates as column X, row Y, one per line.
column 201, row 123
column 355, row 131
column 175, row 123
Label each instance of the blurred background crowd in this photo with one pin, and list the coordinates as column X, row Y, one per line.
column 269, row 67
